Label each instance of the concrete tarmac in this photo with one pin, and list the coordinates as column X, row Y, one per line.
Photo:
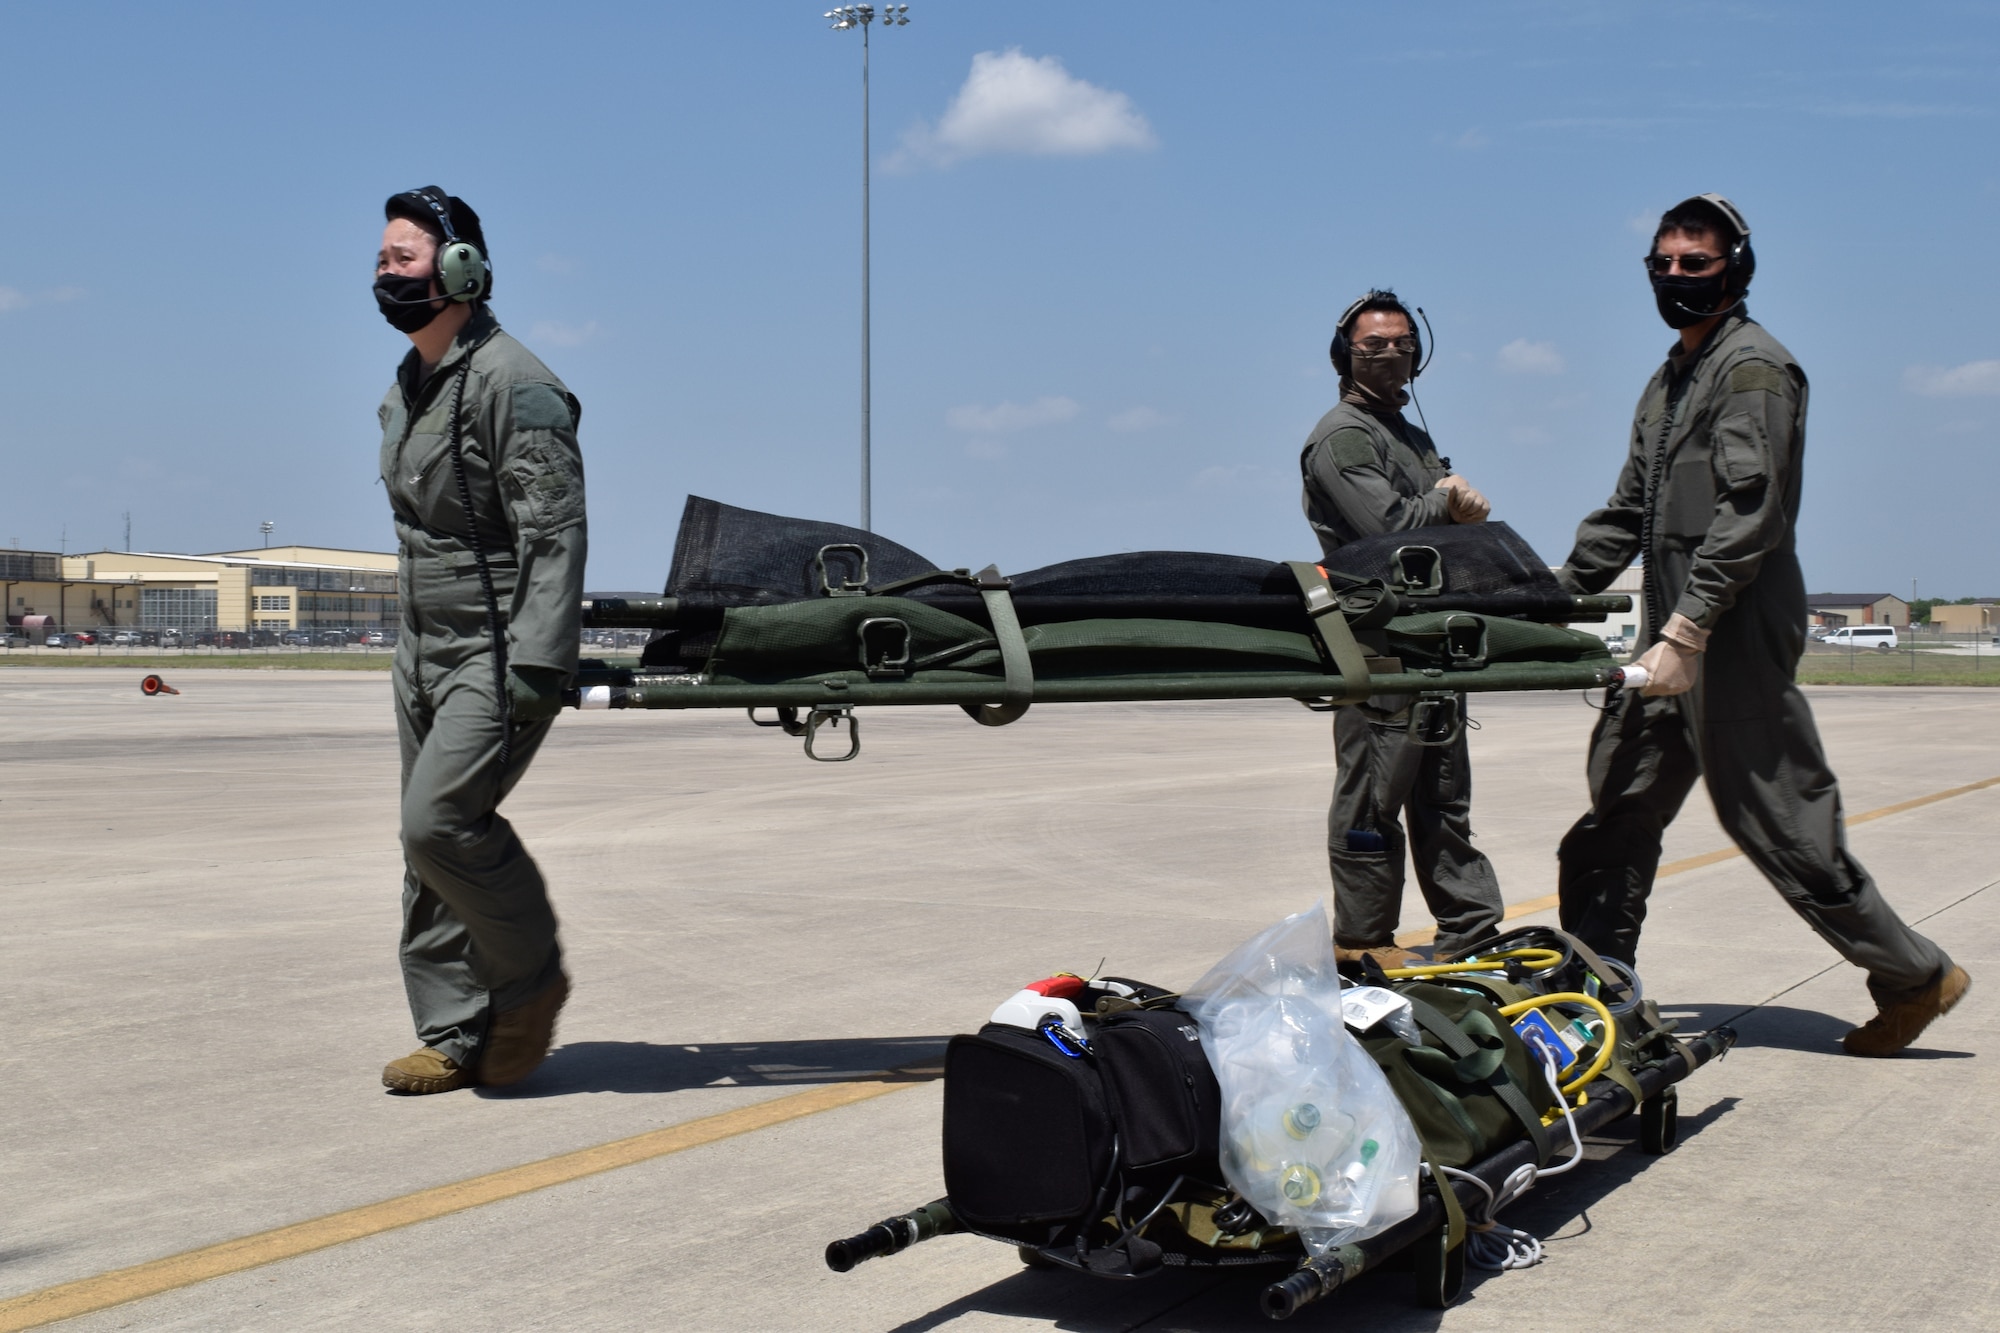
column 199, row 988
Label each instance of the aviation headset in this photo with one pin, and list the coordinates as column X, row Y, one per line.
column 463, row 273
column 1740, row 264
column 1342, row 350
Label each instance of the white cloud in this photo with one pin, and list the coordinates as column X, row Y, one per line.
column 1005, row 418
column 1522, row 357
column 987, row 449
column 561, row 334
column 1025, row 105
column 1138, row 418
column 1972, row 377
column 13, row 298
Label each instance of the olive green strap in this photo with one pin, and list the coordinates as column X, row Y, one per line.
column 1018, row 688
column 1454, row 1211
column 1323, row 609
column 1470, row 1057
column 1616, row 1071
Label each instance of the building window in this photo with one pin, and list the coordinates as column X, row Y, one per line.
column 268, row 603
column 177, row 608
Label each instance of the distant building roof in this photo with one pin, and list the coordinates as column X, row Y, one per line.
column 1848, row 598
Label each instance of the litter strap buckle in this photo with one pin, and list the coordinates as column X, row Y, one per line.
column 833, row 716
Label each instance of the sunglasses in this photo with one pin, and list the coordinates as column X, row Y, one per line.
column 1374, row 345
column 1691, row 265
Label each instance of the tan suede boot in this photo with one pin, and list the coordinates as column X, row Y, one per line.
column 1388, row 955
column 1897, row 1025
column 519, row 1038
column 425, row 1071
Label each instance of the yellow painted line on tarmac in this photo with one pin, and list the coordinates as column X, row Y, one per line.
column 1549, row 901
column 71, row 1299
column 67, row 1301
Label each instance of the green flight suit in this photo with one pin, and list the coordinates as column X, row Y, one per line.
column 1367, row 473
column 1708, row 500
column 479, row 934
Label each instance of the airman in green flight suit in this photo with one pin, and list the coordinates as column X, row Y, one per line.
column 480, row 459
column 1708, row 500
column 1368, row 470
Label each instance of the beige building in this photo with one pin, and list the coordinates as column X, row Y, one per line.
column 279, row 589
column 1831, row 610
column 1979, row 618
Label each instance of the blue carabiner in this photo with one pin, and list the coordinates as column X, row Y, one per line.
column 1060, row 1037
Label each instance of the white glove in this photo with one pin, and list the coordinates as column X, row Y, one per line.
column 1674, row 663
column 1465, row 504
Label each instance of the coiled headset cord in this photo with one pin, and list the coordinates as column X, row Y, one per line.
column 493, row 626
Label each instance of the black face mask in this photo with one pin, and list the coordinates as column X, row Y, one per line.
column 1684, row 301
column 405, row 302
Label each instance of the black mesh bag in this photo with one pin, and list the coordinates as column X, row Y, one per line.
column 727, row 557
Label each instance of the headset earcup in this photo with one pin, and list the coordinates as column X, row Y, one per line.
column 461, row 271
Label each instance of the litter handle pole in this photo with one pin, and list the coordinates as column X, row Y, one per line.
column 893, row 1235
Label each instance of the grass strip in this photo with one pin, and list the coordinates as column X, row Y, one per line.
column 145, row 661
column 1897, row 667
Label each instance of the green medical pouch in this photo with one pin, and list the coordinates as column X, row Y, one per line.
column 1473, row 1086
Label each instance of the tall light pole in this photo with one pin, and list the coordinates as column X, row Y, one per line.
column 863, row 17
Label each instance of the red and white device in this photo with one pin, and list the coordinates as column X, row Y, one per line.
column 1632, row 677
column 1028, row 1006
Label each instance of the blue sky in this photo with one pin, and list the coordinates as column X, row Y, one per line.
column 1110, row 240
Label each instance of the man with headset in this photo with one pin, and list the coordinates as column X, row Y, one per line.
column 480, row 459
column 1367, row 470
column 1708, row 501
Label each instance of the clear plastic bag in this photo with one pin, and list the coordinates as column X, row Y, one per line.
column 1312, row 1135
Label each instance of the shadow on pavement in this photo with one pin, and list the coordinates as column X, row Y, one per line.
column 1782, row 1028
column 1381, row 1302
column 641, row 1067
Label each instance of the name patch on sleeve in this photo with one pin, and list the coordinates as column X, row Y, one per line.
column 1351, row 448
column 1754, row 375
column 540, row 407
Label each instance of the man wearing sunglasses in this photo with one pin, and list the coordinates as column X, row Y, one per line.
column 1367, row 470
column 1708, row 502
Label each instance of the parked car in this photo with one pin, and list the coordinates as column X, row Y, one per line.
column 127, row 637
column 14, row 639
column 81, row 637
column 58, row 641
column 1863, row 636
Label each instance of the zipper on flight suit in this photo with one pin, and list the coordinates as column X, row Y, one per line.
column 1654, row 594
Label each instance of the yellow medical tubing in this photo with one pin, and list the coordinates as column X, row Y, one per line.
column 1577, row 1084
column 1533, row 959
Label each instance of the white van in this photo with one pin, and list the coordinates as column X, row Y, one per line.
column 1862, row 636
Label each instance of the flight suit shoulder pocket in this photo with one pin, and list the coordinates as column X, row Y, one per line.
column 549, row 481
column 1753, row 376
column 1351, row 448
column 1742, row 458
column 541, row 407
